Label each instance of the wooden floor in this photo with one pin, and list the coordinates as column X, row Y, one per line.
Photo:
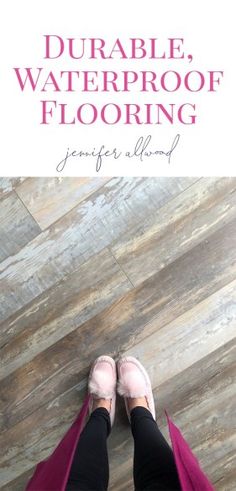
column 145, row 266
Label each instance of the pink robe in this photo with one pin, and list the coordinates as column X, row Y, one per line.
column 52, row 474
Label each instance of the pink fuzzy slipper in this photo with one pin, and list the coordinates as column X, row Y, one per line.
column 133, row 381
column 102, row 382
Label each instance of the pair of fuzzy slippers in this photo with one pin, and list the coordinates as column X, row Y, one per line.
column 128, row 377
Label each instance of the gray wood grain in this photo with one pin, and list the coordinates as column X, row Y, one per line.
column 18, row 484
column 61, row 310
column 136, row 266
column 17, row 226
column 49, row 198
column 178, row 226
column 8, row 184
column 157, row 302
column 162, row 298
column 83, row 232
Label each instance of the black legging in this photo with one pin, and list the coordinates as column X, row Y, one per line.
column 154, row 465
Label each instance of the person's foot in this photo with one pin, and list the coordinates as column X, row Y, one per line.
column 102, row 385
column 135, row 385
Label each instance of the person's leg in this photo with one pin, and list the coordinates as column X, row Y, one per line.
column 154, row 465
column 90, row 468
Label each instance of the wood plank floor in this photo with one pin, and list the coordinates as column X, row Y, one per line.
column 142, row 266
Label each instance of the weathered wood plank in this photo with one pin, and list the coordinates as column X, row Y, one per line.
column 179, row 319
column 49, row 198
column 227, row 481
column 8, row 184
column 178, row 226
column 61, row 309
column 18, row 484
column 17, row 226
column 190, row 337
column 54, row 377
column 129, row 320
column 83, row 232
